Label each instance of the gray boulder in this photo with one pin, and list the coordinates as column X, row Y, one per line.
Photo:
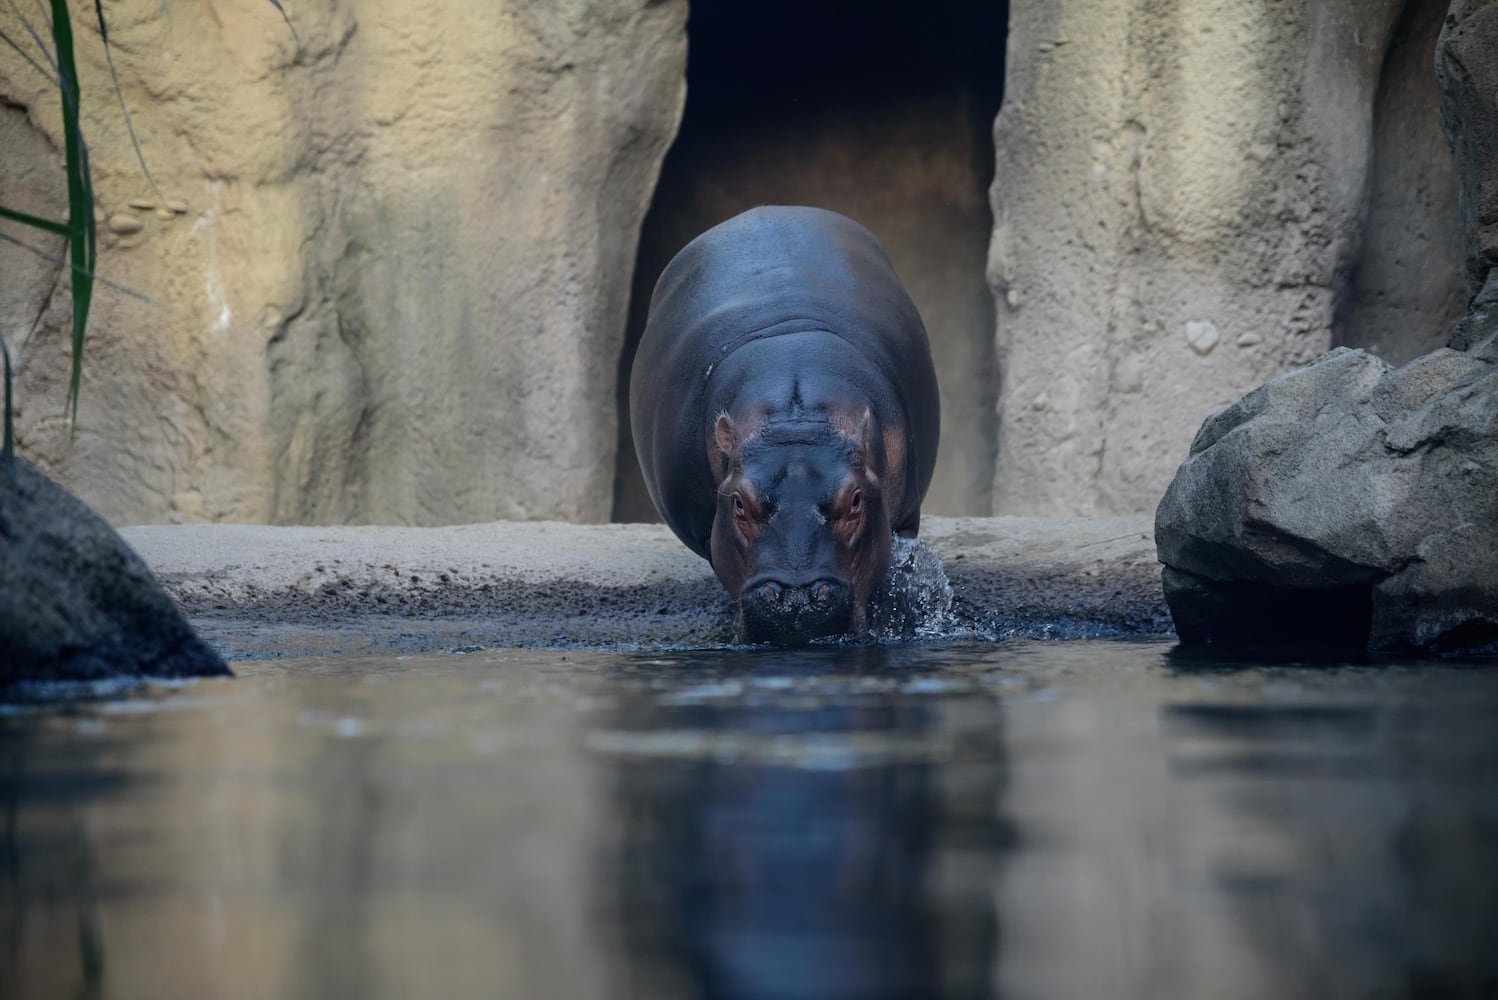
column 1345, row 502
column 76, row 602
column 1351, row 503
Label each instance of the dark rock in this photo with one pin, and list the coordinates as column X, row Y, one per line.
column 1344, row 502
column 1467, row 71
column 76, row 602
column 1481, row 322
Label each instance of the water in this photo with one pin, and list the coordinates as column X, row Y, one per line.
column 1019, row 820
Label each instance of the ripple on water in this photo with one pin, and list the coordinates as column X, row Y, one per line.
column 1020, row 818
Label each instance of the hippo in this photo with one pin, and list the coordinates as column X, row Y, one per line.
column 786, row 416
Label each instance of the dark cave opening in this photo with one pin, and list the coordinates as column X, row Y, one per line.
column 875, row 109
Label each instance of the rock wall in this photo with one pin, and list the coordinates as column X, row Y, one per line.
column 397, row 292
column 1467, row 68
column 1406, row 290
column 1177, row 200
column 1349, row 503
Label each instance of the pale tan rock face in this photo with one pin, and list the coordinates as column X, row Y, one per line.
column 397, row 293
column 392, row 264
column 1177, row 199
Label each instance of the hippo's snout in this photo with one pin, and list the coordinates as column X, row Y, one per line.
column 790, row 614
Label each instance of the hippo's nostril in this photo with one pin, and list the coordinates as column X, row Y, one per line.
column 790, row 612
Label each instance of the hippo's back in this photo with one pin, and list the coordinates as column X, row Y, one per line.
column 770, row 272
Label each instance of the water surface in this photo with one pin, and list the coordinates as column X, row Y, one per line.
column 1018, row 820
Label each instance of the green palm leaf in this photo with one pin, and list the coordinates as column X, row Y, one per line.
column 82, row 236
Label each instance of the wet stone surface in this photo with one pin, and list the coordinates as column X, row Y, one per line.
column 265, row 592
column 922, row 819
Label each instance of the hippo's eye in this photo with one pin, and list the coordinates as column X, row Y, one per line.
column 738, row 505
column 856, row 503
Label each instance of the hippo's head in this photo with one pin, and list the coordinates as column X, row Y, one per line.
column 802, row 533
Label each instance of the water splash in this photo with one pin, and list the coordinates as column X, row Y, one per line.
column 916, row 599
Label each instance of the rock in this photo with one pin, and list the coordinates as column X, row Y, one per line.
column 1345, row 502
column 1348, row 502
column 1481, row 321
column 1162, row 165
column 402, row 296
column 402, row 293
column 1405, row 288
column 125, row 223
column 77, row 603
column 1467, row 69
column 1202, row 335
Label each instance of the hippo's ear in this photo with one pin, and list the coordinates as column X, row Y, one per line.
column 727, row 436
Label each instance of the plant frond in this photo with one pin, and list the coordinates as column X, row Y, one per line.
column 287, row 18
column 50, row 78
column 33, row 221
column 8, row 447
column 82, row 234
column 120, row 94
column 35, row 36
column 111, row 285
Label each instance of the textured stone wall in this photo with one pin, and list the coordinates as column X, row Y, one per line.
column 399, row 288
column 1467, row 67
column 1406, row 289
column 1177, row 200
column 397, row 292
column 1348, row 502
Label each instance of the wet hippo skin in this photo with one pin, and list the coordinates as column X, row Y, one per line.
column 786, row 415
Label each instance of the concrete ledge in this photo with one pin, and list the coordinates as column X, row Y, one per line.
column 255, row 591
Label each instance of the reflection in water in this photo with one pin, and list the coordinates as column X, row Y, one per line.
column 339, row 857
column 52, row 864
column 1285, row 833
column 815, row 877
column 1384, row 820
column 1022, row 820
